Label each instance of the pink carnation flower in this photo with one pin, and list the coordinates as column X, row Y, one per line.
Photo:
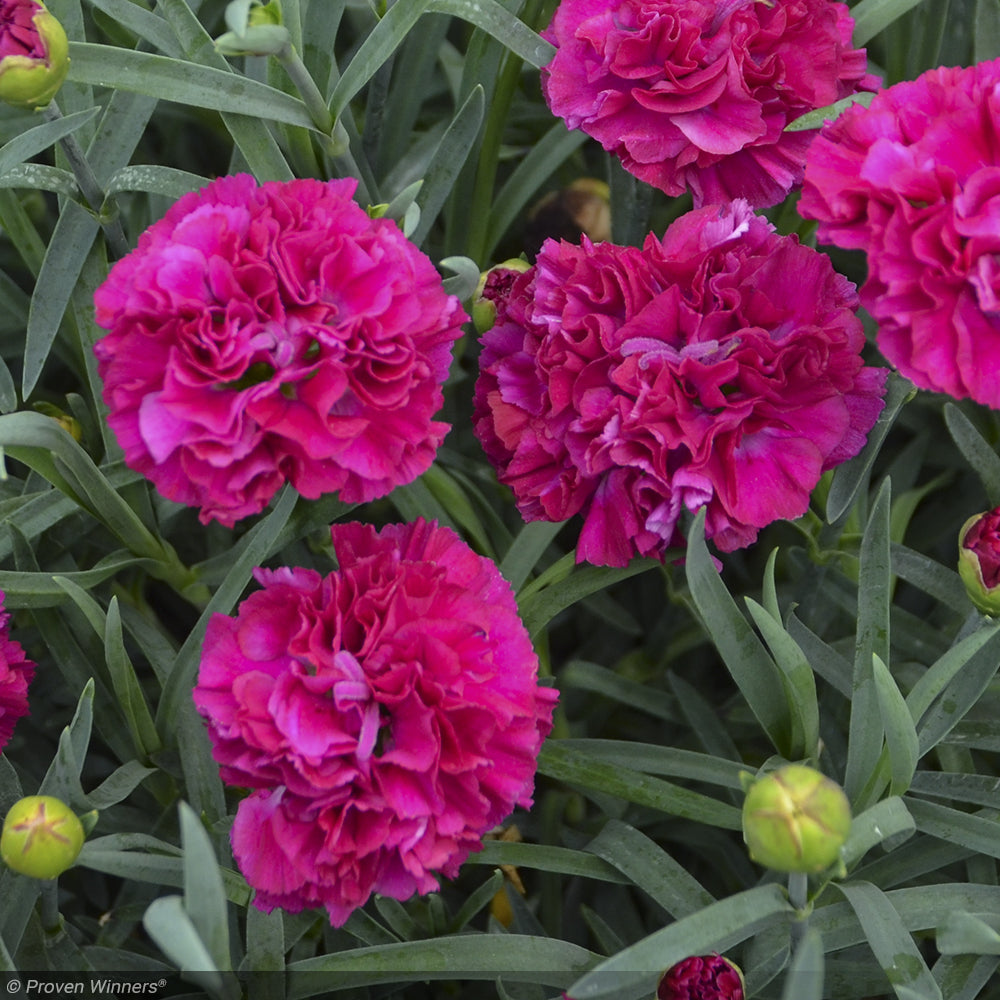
column 914, row 181
column 695, row 94
column 387, row 715
column 16, row 671
column 719, row 367
column 267, row 334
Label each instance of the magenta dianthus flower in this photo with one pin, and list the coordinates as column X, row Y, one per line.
column 16, row 672
column 695, row 94
column 914, row 181
column 719, row 367
column 387, row 716
column 275, row 333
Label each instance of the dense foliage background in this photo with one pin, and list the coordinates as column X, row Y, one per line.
column 674, row 679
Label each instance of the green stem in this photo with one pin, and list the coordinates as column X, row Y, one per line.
column 333, row 135
column 99, row 202
column 308, row 91
column 798, row 896
column 48, row 904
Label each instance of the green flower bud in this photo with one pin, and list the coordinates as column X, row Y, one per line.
column 979, row 560
column 492, row 284
column 34, row 54
column 795, row 819
column 41, row 837
column 269, row 13
column 254, row 30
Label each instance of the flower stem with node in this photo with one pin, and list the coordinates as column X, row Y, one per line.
column 798, row 896
column 91, row 189
column 333, row 137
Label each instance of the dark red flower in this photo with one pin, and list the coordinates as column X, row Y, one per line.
column 696, row 94
column 703, row 977
column 717, row 367
column 16, row 671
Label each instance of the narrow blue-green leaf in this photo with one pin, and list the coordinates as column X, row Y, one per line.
column 128, row 690
column 755, row 673
column 986, row 33
column 849, row 477
column 204, row 895
column 155, row 179
column 526, row 549
column 865, row 740
column 977, row 832
column 448, row 159
column 41, row 442
column 977, row 789
column 465, row 276
column 591, row 774
column 717, row 927
column 872, row 16
column 494, row 19
column 539, row 163
column 980, row 455
column 890, row 941
column 64, row 257
column 455, row 500
column 43, row 590
column 583, row 676
column 167, row 922
column 888, row 821
column 964, row 977
column 957, row 682
column 546, row 858
column 541, row 607
column 62, row 779
column 184, row 82
column 477, row 900
column 40, row 176
column 937, row 677
column 141, row 22
column 8, row 391
column 256, row 548
column 941, row 582
column 31, row 142
column 652, row 758
column 900, row 731
column 156, row 869
column 815, row 119
column 962, row 933
column 265, row 954
column 516, row 957
column 703, row 719
column 118, row 785
column 834, row 668
column 805, row 976
column 650, row 868
column 797, row 679
column 384, row 39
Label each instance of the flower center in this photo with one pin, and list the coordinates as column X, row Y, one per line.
column 352, row 692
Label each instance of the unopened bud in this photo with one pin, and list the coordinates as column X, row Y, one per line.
column 979, row 560
column 494, row 284
column 795, row 819
column 701, row 977
column 42, row 837
column 34, row 54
